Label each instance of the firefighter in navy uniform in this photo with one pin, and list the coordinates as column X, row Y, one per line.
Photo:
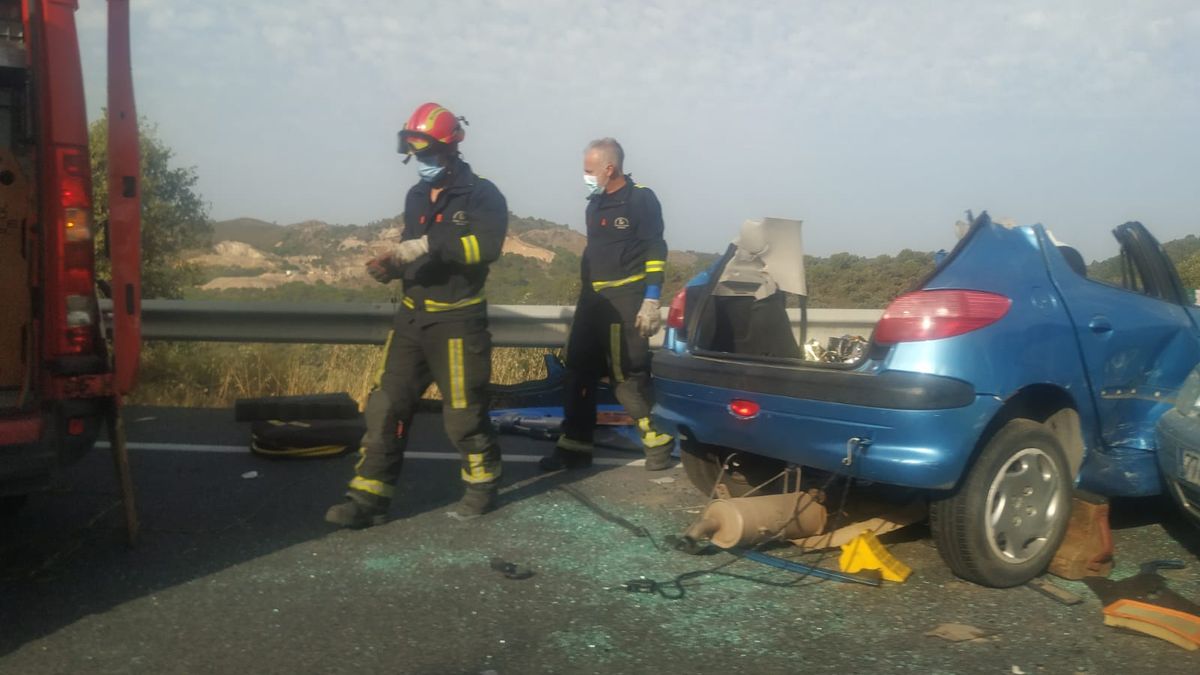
column 454, row 227
column 618, row 310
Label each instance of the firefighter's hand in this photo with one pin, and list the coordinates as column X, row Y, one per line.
column 381, row 269
column 649, row 319
column 411, row 249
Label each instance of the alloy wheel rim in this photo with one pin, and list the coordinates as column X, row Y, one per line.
column 1023, row 504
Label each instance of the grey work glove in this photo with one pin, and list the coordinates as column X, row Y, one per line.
column 410, row 249
column 649, row 318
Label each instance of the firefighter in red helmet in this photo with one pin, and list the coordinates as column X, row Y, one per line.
column 454, row 228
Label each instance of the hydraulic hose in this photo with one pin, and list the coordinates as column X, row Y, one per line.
column 810, row 570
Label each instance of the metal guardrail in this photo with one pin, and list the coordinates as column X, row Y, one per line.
column 368, row 323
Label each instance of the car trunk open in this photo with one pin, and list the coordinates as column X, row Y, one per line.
column 736, row 325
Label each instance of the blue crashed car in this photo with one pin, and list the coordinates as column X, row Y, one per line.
column 1002, row 381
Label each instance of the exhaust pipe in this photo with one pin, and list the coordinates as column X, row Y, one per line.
column 746, row 521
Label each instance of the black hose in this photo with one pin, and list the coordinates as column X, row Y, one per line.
column 636, row 530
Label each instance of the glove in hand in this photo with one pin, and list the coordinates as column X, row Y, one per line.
column 411, row 249
column 649, row 318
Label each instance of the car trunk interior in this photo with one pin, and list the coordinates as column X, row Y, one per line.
column 16, row 215
column 738, row 321
column 747, row 326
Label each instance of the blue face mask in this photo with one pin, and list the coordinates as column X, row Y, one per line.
column 592, row 183
column 429, row 169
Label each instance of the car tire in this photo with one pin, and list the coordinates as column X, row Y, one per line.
column 702, row 463
column 1004, row 524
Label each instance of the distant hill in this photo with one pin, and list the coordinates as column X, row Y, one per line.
column 532, row 237
column 558, row 237
column 258, row 233
column 253, row 259
column 541, row 263
column 520, row 224
column 848, row 281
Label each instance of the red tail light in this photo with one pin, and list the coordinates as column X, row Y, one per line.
column 678, row 305
column 931, row 315
column 743, row 409
column 75, row 267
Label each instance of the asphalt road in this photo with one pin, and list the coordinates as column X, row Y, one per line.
column 237, row 574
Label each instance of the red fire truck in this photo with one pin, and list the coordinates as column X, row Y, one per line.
column 62, row 370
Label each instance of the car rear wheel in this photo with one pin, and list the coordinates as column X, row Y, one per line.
column 1006, row 521
column 744, row 471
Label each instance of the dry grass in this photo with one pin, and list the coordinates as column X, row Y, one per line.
column 212, row 375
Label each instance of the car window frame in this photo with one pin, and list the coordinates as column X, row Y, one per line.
column 1161, row 283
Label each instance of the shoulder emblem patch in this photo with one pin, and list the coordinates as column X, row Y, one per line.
column 459, row 218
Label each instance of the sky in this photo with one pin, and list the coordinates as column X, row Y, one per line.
column 877, row 123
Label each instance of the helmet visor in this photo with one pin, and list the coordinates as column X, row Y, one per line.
column 414, row 143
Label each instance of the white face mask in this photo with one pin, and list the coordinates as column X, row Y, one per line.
column 592, row 183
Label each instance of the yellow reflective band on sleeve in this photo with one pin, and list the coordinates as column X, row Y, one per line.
column 409, row 302
column 458, row 385
column 377, row 488
column 475, row 471
column 435, row 306
column 614, row 345
column 471, row 249
column 601, row 285
column 655, row 266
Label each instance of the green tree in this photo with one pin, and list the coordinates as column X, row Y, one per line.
column 174, row 217
column 1189, row 271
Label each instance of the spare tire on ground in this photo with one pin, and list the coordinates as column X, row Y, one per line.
column 306, row 438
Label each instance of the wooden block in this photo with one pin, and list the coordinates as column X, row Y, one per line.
column 1087, row 548
column 1054, row 592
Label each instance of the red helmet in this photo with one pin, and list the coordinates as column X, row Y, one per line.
column 430, row 125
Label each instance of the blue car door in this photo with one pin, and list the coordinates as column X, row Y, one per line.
column 1138, row 342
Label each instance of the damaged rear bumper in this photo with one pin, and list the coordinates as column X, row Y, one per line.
column 912, row 443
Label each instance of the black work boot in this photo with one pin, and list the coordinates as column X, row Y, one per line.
column 568, row 454
column 478, row 499
column 658, row 445
column 658, row 458
column 354, row 514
